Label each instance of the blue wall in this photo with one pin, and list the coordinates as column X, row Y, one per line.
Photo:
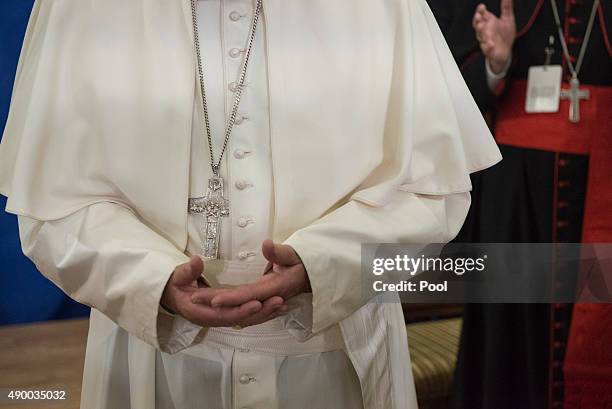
column 25, row 295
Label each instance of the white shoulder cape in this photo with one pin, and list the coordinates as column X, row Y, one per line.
column 365, row 100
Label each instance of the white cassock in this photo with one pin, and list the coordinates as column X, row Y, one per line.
column 328, row 152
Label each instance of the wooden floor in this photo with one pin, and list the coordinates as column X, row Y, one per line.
column 46, row 356
column 50, row 356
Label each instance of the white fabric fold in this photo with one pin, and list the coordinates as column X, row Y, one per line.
column 104, row 256
column 435, row 135
column 386, row 110
column 373, row 137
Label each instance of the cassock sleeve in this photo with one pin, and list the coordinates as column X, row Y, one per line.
column 474, row 70
column 331, row 248
column 435, row 137
column 105, row 257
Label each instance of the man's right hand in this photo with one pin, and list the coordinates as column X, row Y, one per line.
column 495, row 34
column 184, row 282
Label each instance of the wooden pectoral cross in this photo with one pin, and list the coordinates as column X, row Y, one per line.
column 575, row 94
column 213, row 206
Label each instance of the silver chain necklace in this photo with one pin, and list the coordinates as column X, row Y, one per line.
column 240, row 83
column 574, row 93
column 213, row 206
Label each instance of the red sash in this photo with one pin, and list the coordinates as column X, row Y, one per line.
column 588, row 362
column 554, row 132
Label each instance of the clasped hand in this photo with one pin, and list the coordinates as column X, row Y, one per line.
column 251, row 304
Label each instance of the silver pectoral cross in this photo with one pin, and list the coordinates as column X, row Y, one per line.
column 575, row 94
column 213, row 206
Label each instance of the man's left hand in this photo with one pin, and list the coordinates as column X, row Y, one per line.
column 285, row 277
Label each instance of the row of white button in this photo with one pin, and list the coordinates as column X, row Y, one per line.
column 245, row 379
column 242, row 222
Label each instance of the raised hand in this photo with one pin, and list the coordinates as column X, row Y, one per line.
column 495, row 34
column 183, row 286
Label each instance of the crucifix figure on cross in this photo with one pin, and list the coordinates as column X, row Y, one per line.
column 575, row 94
column 213, row 206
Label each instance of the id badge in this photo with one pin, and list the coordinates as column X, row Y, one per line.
column 543, row 89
